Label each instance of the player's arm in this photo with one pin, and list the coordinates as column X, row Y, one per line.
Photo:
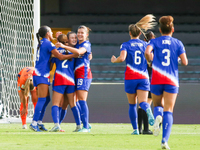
column 184, row 60
column 24, row 101
column 60, row 56
column 121, row 57
column 148, row 54
column 71, row 49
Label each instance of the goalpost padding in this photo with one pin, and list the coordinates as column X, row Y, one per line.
column 17, row 44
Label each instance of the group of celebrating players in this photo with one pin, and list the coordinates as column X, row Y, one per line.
column 72, row 79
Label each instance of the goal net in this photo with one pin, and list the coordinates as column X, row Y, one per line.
column 16, row 52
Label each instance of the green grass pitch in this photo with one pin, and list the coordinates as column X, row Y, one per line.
column 101, row 137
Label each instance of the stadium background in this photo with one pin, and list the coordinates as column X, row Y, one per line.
column 109, row 21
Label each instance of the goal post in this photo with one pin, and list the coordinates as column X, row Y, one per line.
column 19, row 22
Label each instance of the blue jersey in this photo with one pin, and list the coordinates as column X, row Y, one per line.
column 82, row 65
column 136, row 64
column 64, row 74
column 165, row 62
column 42, row 66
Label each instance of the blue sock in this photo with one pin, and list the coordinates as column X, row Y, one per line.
column 55, row 113
column 133, row 115
column 60, row 109
column 76, row 115
column 63, row 113
column 167, row 125
column 44, row 108
column 158, row 110
column 38, row 108
column 144, row 105
column 79, row 108
column 84, row 113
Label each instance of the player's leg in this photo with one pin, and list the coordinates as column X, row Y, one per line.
column 63, row 105
column 140, row 119
column 82, row 96
column 169, row 102
column 58, row 93
column 34, row 97
column 145, row 117
column 43, row 93
column 75, row 111
column 23, row 117
column 142, row 99
column 133, row 111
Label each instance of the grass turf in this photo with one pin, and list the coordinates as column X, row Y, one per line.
column 101, row 137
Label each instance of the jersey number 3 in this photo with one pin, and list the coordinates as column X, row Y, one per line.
column 167, row 57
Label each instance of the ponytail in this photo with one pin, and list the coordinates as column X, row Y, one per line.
column 38, row 38
column 28, row 86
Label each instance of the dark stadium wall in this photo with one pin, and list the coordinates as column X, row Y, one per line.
column 63, row 7
column 108, row 104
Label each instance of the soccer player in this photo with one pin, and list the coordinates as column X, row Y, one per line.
column 64, row 84
column 142, row 116
column 25, row 85
column 136, row 75
column 83, row 74
column 41, row 74
column 164, row 82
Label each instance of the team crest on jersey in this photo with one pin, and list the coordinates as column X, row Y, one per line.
column 86, row 45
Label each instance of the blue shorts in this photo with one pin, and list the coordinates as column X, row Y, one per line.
column 40, row 80
column 131, row 86
column 83, row 84
column 64, row 89
column 158, row 89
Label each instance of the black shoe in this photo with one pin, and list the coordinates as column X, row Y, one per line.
column 140, row 131
column 147, row 132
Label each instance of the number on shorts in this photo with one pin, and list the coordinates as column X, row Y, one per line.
column 80, row 82
column 137, row 57
column 167, row 57
column 64, row 65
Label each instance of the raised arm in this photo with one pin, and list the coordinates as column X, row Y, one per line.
column 71, row 49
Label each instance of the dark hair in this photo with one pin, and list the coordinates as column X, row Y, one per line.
column 62, row 38
column 149, row 35
column 69, row 33
column 166, row 24
column 42, row 33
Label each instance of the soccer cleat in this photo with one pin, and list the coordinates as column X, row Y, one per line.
column 149, row 132
column 150, row 116
column 41, row 127
column 55, row 129
column 34, row 128
column 135, row 132
column 78, row 128
column 24, row 126
column 165, row 146
column 156, row 126
column 90, row 127
column 84, row 130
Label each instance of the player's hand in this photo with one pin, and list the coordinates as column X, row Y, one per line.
column 58, row 33
column 113, row 59
column 58, row 44
column 24, row 111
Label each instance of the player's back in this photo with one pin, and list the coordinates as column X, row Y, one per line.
column 135, row 60
column 24, row 74
column 165, row 62
column 64, row 74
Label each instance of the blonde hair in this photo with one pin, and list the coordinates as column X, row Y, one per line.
column 28, row 86
column 146, row 23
